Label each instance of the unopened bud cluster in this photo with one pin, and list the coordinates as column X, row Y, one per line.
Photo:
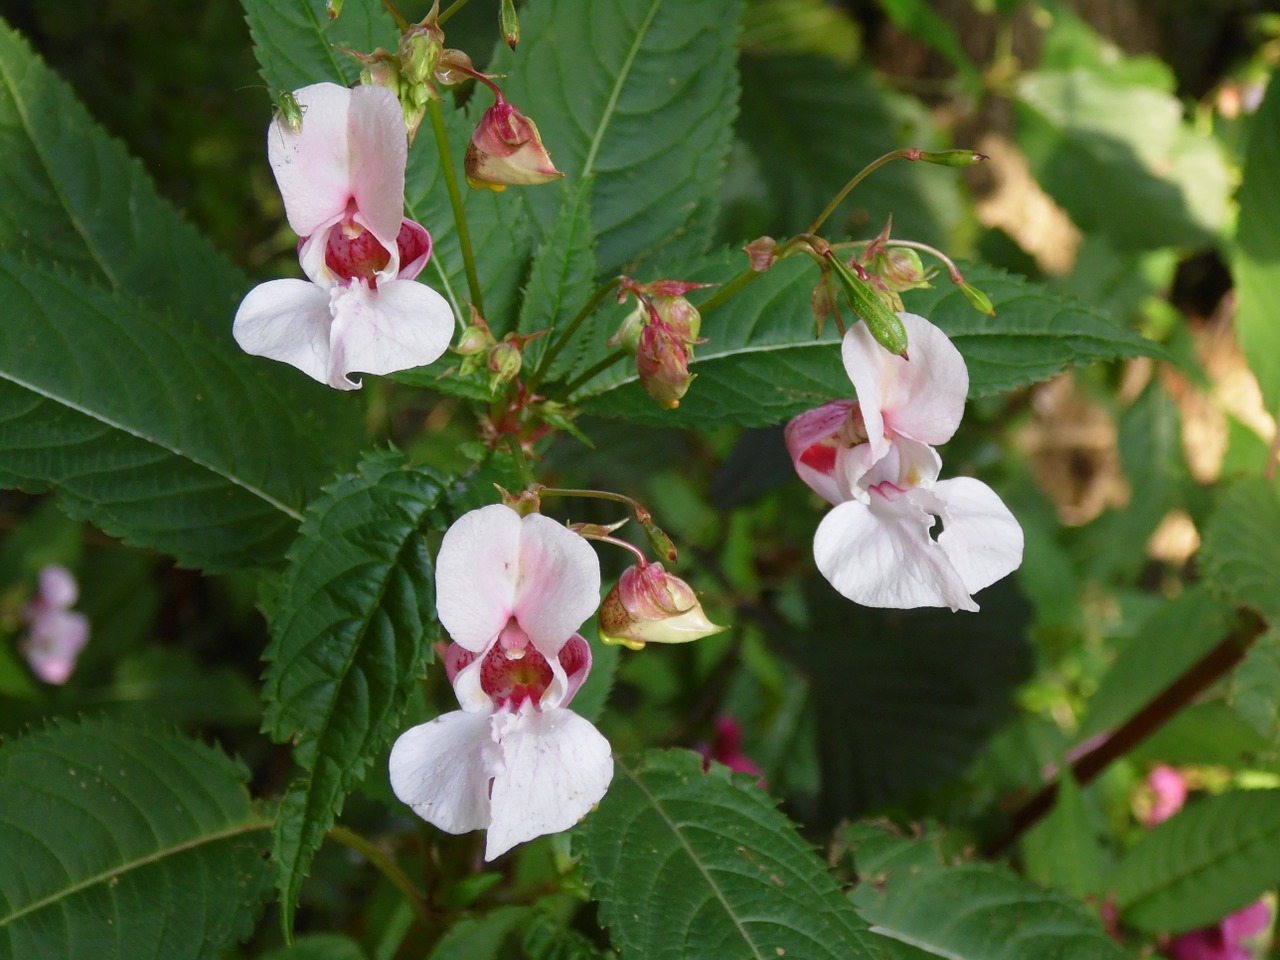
column 662, row 332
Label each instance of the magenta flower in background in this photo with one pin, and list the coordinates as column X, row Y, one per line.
column 726, row 748
column 56, row 634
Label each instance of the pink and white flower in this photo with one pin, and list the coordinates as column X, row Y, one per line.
column 874, row 460
column 341, row 175
column 56, row 633
column 512, row 593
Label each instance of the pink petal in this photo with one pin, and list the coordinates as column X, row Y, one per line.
column 1249, row 922
column 379, row 150
column 287, row 320
column 556, row 767
column 58, row 587
column 398, row 325
column 570, row 670
column 558, row 585
column 311, row 252
column 813, row 459
column 54, row 643
column 313, row 166
column 476, row 572
column 414, row 246
column 881, row 555
column 922, row 398
column 979, row 535
column 905, row 463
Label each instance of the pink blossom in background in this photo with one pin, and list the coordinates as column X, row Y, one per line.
column 514, row 760
column 1224, row 940
column 341, row 175
column 1169, row 793
column 726, row 748
column 56, row 634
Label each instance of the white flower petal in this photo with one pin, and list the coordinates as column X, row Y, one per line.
column 442, row 770
column 558, row 585
column 398, row 325
column 476, row 572
column 979, row 535
column 287, row 320
column 881, row 555
column 313, row 165
column 556, row 767
column 379, row 148
column 922, row 398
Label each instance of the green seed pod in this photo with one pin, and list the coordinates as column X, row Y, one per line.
column 866, row 303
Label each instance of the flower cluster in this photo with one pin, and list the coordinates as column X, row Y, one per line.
column 55, row 633
column 512, row 592
column 874, row 460
column 341, row 174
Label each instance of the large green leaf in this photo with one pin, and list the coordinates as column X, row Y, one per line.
column 1240, row 555
column 1121, row 161
column 350, row 638
column 686, row 864
column 809, row 125
column 124, row 841
column 762, row 364
column 641, row 95
column 1211, row 858
column 928, row 685
column 1170, row 641
column 967, row 911
column 80, row 361
column 1257, row 256
column 296, row 43
column 144, row 427
column 921, row 20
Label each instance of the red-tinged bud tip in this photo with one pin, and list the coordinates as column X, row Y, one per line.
column 662, row 362
column 506, row 150
column 649, row 605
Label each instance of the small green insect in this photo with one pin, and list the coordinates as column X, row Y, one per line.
column 289, row 110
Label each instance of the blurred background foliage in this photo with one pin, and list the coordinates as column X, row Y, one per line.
column 1116, row 131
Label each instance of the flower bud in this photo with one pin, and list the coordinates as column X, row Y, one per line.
column 681, row 316
column 949, row 158
column 476, row 338
column 506, row 149
column 420, row 51
column 649, row 605
column 900, row 268
column 509, row 23
column 866, row 302
column 981, row 302
column 504, row 362
column 823, row 302
column 628, row 335
column 761, row 253
column 662, row 361
column 333, row 8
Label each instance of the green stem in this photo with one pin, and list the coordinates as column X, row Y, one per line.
column 401, row 23
column 857, row 179
column 513, row 444
column 384, row 865
column 595, row 369
column 727, row 290
column 641, row 512
column 455, row 201
column 451, row 10
column 566, row 335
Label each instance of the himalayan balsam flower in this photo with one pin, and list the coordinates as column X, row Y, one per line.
column 342, row 178
column 512, row 593
column 649, row 605
column 873, row 459
column 56, row 633
column 505, row 149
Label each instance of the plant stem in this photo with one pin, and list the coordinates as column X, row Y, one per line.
column 563, row 339
column 401, row 23
column 513, row 444
column 384, row 865
column 455, row 201
column 858, row 177
column 1141, row 725
column 451, row 10
column 641, row 512
column 727, row 290
column 588, row 375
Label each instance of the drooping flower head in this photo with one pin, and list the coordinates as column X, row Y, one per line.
column 512, row 593
column 649, row 605
column 341, row 175
column 506, row 149
column 56, row 634
column 874, row 460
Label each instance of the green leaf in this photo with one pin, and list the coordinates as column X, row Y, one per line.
column 350, row 639
column 969, row 911
column 773, row 28
column 1256, row 264
column 691, row 864
column 641, row 96
column 1253, row 686
column 922, row 21
column 561, row 282
column 1063, row 849
column 762, row 363
column 1240, row 554
column 1170, row 641
column 145, row 428
column 320, row 946
column 297, row 44
column 545, row 939
column 1121, row 161
column 809, row 125
column 1213, row 857
column 124, row 841
column 1209, row 733
column 480, row 938
column 887, row 684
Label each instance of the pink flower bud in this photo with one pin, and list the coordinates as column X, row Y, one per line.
column 506, row 149
column 649, row 605
column 761, row 253
column 662, row 361
column 681, row 316
column 57, row 634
